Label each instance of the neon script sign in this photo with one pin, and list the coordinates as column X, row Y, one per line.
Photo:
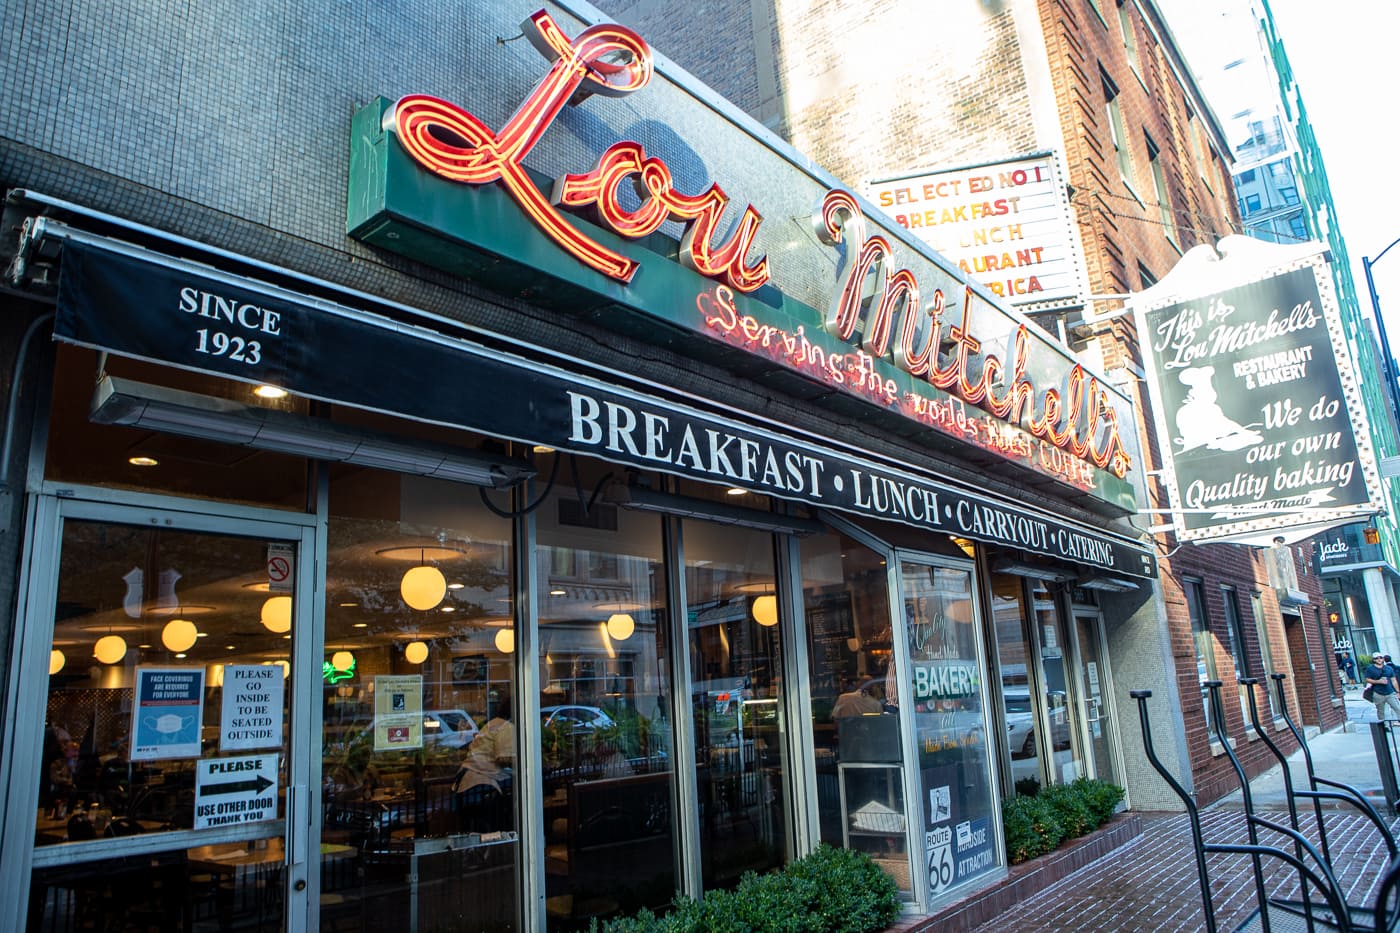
column 608, row 59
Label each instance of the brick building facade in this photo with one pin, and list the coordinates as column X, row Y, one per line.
column 894, row 87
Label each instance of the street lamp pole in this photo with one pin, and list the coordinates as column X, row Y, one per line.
column 1387, row 361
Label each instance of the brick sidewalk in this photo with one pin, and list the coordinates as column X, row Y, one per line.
column 1151, row 883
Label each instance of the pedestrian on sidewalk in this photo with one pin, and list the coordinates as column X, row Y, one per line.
column 1381, row 679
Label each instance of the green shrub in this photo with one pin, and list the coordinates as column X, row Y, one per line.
column 1036, row 825
column 1101, row 797
column 1070, row 808
column 829, row 891
column 1031, row 827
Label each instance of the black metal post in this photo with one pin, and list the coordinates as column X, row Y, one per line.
column 1249, row 683
column 1387, row 361
column 1218, row 709
column 1385, row 761
column 1191, row 811
column 1302, row 741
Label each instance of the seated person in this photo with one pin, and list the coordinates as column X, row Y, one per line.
column 481, row 789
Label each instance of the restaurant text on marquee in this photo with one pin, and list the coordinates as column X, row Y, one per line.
column 608, row 59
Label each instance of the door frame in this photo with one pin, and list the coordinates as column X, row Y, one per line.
column 28, row 677
column 1093, row 616
column 915, row 820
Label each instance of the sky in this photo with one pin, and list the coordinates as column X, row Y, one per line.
column 1345, row 58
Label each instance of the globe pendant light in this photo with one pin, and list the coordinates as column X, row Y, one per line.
column 423, row 587
column 56, row 661
column 621, row 625
column 415, row 652
column 765, row 610
column 276, row 615
column 179, row 635
column 109, row 649
column 342, row 660
column 505, row 640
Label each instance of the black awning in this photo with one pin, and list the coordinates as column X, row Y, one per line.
column 136, row 303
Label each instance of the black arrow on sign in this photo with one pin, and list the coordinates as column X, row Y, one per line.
column 257, row 785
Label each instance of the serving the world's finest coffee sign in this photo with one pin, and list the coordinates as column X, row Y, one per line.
column 1258, row 413
column 880, row 325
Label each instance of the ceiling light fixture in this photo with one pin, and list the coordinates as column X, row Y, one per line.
column 109, row 649
column 179, row 635
column 765, row 610
column 270, row 392
column 143, row 461
column 276, row 615
column 415, row 652
column 56, row 661
column 423, row 586
column 505, row 641
column 621, row 625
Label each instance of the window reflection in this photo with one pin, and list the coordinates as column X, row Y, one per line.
column 736, row 706
column 604, row 709
column 1066, row 760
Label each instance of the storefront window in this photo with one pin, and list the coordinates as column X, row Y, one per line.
column 1015, row 657
column 1204, row 642
column 604, row 708
column 735, row 644
column 1266, row 654
column 418, row 704
column 1239, row 650
column 950, row 727
column 860, row 788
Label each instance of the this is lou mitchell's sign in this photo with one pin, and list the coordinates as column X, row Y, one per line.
column 924, row 346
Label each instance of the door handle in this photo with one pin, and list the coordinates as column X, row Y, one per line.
column 296, row 831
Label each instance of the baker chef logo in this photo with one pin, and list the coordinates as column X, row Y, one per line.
column 1201, row 421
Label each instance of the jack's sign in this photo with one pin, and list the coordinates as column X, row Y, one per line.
column 1258, row 411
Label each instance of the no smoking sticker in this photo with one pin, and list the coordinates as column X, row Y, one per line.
column 280, row 566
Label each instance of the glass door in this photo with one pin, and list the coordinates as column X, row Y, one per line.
column 1098, row 707
column 156, row 754
column 1065, row 760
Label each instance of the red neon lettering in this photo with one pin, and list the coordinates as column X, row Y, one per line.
column 604, row 59
column 1080, row 421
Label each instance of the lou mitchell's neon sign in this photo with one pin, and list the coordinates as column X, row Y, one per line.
column 612, row 60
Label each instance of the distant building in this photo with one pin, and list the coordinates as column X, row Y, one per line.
column 1284, row 197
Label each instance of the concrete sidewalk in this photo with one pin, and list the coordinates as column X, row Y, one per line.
column 1347, row 755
